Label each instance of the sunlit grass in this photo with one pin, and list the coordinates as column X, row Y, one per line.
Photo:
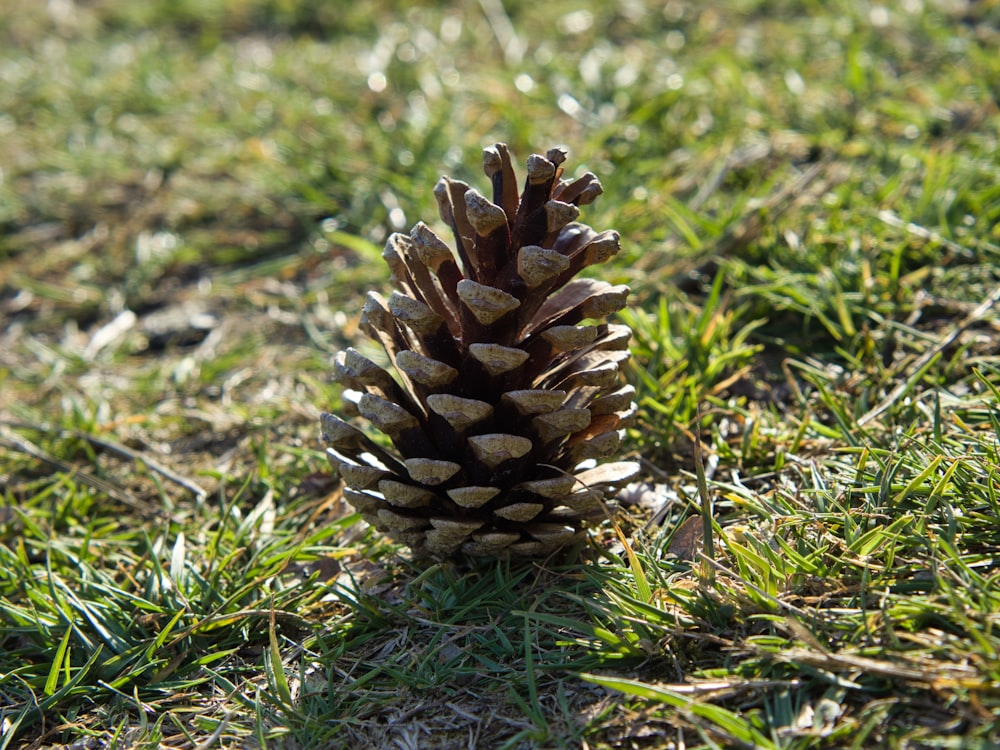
column 193, row 200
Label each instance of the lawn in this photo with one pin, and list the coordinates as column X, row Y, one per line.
column 193, row 202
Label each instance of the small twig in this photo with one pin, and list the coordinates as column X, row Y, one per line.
column 15, row 442
column 219, row 729
column 926, row 357
column 757, row 215
column 888, row 217
column 200, row 492
column 510, row 43
column 708, row 532
column 773, row 599
column 831, row 662
column 115, row 447
column 734, row 160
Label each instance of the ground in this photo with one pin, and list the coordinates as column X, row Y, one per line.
column 193, row 202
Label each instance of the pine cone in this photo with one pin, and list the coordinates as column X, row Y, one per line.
column 502, row 398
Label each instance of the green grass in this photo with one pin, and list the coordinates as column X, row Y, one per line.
column 193, row 198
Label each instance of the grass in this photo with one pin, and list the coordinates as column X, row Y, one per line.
column 193, row 197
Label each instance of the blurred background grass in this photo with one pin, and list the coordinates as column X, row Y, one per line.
column 266, row 149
